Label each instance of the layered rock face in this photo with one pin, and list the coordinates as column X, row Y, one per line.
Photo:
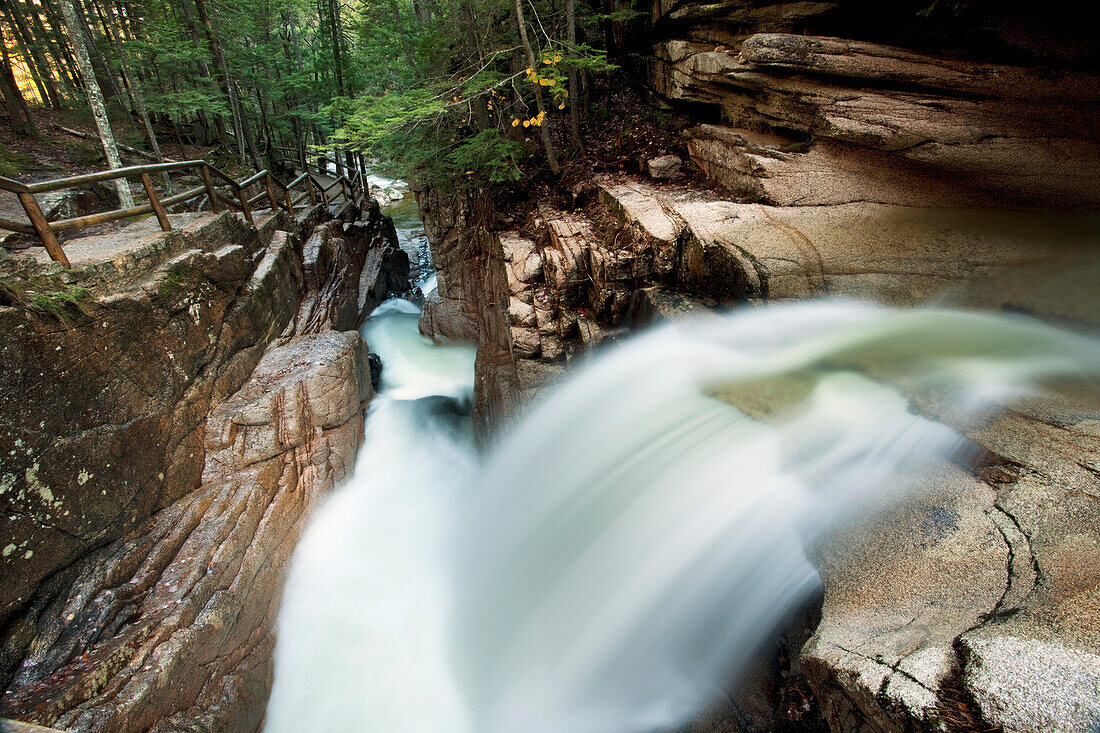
column 809, row 119
column 168, row 439
column 858, row 167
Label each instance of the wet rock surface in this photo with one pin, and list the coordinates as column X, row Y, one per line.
column 228, row 399
column 961, row 608
column 171, row 626
column 873, row 159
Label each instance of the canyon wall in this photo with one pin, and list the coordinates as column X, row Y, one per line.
column 920, row 158
column 166, row 433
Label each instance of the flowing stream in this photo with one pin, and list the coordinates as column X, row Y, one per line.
column 614, row 559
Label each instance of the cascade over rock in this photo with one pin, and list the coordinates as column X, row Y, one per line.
column 863, row 168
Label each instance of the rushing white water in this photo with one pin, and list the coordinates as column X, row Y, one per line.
column 362, row 625
column 622, row 551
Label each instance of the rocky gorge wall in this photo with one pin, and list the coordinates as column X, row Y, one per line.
column 961, row 168
column 165, row 438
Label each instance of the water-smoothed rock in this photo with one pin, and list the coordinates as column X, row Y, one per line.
column 103, row 400
column 171, row 626
column 552, row 292
column 896, row 254
column 975, row 604
column 925, row 604
column 145, row 587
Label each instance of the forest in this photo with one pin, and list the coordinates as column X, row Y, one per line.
column 439, row 89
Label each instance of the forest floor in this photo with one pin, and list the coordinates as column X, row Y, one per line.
column 60, row 154
column 621, row 130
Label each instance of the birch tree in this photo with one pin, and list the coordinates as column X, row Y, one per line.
column 544, row 132
column 95, row 99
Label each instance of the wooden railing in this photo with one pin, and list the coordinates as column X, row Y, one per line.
column 277, row 195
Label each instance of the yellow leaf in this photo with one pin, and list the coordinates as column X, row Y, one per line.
column 515, row 122
column 527, row 123
column 551, row 82
column 561, row 106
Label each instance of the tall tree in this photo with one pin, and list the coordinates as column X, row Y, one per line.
column 22, row 121
column 222, row 72
column 95, row 99
column 35, row 55
column 204, row 68
column 544, row 131
column 137, row 99
column 574, row 97
column 60, row 47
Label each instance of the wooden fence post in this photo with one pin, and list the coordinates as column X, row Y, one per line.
column 271, row 193
column 310, row 191
column 289, row 202
column 242, row 197
column 42, row 227
column 162, row 215
column 208, row 183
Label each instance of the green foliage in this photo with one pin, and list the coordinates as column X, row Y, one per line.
column 57, row 302
column 445, row 96
column 487, row 156
column 45, row 294
column 429, row 88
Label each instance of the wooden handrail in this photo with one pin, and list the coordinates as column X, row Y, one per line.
column 110, row 175
column 253, row 179
column 47, row 230
column 8, row 184
column 16, row 226
column 91, row 219
column 233, row 183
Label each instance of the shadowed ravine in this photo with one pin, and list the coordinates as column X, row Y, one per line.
column 616, row 557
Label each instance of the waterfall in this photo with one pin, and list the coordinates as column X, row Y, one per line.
column 363, row 621
column 619, row 554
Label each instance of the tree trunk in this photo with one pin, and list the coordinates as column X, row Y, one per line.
column 204, row 69
column 246, row 130
column 95, row 99
column 574, row 98
column 139, row 103
column 547, row 143
column 41, row 66
column 294, row 37
column 337, row 56
column 72, row 69
column 222, row 71
column 21, row 120
column 105, row 79
column 265, row 122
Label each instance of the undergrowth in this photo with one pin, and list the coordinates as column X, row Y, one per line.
column 12, row 162
column 46, row 294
